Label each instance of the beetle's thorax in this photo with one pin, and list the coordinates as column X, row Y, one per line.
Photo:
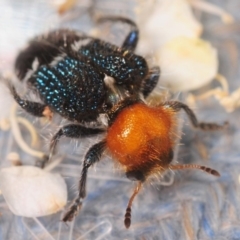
column 141, row 137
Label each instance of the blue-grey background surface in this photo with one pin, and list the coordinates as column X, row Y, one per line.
column 195, row 206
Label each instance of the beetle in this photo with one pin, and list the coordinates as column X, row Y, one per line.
column 66, row 51
column 68, row 70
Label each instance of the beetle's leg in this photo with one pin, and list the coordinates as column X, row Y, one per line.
column 72, row 131
column 177, row 106
column 34, row 108
column 150, row 83
column 93, row 155
column 131, row 40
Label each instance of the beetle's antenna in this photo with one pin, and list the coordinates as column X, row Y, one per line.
column 127, row 218
column 195, row 166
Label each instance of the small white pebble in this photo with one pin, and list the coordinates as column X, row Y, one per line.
column 165, row 21
column 187, row 63
column 32, row 192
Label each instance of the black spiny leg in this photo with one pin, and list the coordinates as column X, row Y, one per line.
column 150, row 83
column 131, row 40
column 93, row 155
column 72, row 131
column 177, row 106
column 34, row 108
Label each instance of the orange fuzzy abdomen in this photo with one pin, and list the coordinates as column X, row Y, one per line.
column 141, row 134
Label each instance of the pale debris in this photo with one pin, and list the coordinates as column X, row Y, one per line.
column 14, row 158
column 6, row 101
column 168, row 27
column 4, row 124
column 187, row 63
column 31, row 129
column 166, row 21
column 212, row 9
column 32, row 192
column 64, row 6
column 229, row 101
column 18, row 136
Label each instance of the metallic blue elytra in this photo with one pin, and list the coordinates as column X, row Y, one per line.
column 72, row 88
column 67, row 70
column 124, row 66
